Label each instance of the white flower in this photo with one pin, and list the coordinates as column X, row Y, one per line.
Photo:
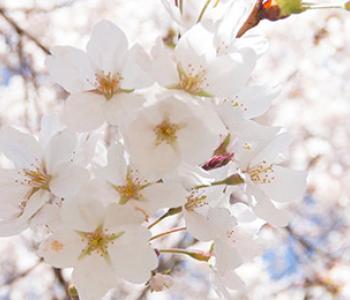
column 232, row 245
column 159, row 282
column 196, row 68
column 40, row 172
column 227, row 28
column 101, row 80
column 127, row 186
column 102, row 244
column 171, row 131
column 252, row 100
column 266, row 180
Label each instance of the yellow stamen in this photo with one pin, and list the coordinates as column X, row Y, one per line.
column 166, row 132
column 98, row 241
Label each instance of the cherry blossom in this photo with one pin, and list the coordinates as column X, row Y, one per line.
column 106, row 239
column 40, row 172
column 195, row 67
column 173, row 130
column 127, row 186
column 101, row 80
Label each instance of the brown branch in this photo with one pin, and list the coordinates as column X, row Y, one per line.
column 253, row 19
column 21, row 31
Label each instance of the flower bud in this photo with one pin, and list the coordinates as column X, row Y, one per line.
column 289, row 7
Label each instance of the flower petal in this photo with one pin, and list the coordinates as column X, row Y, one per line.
column 70, row 68
column 93, row 277
column 83, row 111
column 287, row 185
column 161, row 195
column 59, row 149
column 67, row 179
column 134, row 260
column 23, row 149
column 107, row 47
column 62, row 249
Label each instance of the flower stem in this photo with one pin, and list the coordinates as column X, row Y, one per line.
column 181, row 6
column 205, row 7
column 234, row 179
column 198, row 255
column 170, row 212
column 177, row 229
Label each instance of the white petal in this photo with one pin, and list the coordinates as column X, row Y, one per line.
column 163, row 67
column 198, row 226
column 161, row 195
column 256, row 100
column 276, row 151
column 122, row 108
column 133, row 261
column 50, row 125
column 70, row 68
column 67, row 179
column 107, row 47
column 265, row 209
column 233, row 281
column 83, row 111
column 23, row 149
column 62, row 249
column 116, row 170
column 195, row 47
column 59, row 149
column 21, row 222
column 136, row 69
column 227, row 257
column 227, row 74
column 119, row 216
column 93, row 277
column 84, row 212
column 287, row 185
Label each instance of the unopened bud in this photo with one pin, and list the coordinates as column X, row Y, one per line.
column 289, row 7
column 218, row 161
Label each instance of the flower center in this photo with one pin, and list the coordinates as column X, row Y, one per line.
column 261, row 173
column 192, row 81
column 108, row 84
column 131, row 189
column 36, row 177
column 166, row 132
column 98, row 241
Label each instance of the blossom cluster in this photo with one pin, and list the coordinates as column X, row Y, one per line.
column 144, row 136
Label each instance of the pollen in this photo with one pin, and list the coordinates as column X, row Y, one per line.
column 166, row 132
column 56, row 246
column 36, row 176
column 108, row 84
column 194, row 201
column 98, row 242
column 261, row 173
column 192, row 81
column 131, row 189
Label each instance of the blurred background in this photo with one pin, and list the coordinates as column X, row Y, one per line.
column 309, row 57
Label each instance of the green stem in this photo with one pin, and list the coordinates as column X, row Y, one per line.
column 157, row 236
column 205, row 7
column 198, row 255
column 170, row 212
column 234, row 179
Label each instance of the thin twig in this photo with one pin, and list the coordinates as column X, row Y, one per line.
column 23, row 32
